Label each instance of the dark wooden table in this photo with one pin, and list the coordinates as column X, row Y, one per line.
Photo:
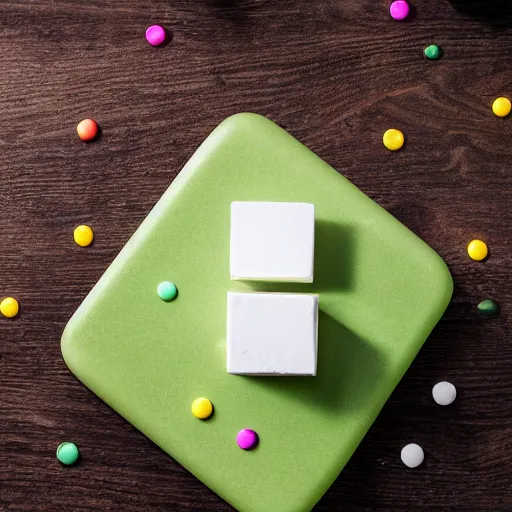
column 336, row 74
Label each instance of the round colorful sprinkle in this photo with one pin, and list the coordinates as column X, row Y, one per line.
column 9, row 307
column 477, row 250
column 399, row 10
column 67, row 453
column 87, row 130
column 247, row 439
column 501, row 107
column 412, row 455
column 156, row 35
column 83, row 236
column 393, row 139
column 444, row 393
column 167, row 291
column 432, row 52
column 202, row 408
column 488, row 309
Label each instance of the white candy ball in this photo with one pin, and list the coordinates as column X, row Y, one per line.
column 444, row 393
column 412, row 455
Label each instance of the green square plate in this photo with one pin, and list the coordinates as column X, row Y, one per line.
column 382, row 290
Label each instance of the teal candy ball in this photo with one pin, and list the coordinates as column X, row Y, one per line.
column 67, row 453
column 432, row 52
column 167, row 291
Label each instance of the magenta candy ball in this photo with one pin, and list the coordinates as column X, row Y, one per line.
column 399, row 9
column 156, row 35
column 247, row 439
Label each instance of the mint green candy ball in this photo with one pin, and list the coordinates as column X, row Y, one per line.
column 488, row 308
column 67, row 453
column 432, row 52
column 167, row 291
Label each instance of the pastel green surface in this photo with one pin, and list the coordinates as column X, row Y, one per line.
column 382, row 290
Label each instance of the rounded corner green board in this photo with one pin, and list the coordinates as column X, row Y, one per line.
column 381, row 288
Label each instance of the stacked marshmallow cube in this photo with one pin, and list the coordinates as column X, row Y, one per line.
column 272, row 333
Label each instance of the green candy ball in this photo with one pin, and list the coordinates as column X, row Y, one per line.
column 488, row 308
column 67, row 453
column 432, row 52
column 167, row 291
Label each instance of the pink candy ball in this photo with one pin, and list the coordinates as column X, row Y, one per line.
column 156, row 35
column 247, row 439
column 399, row 9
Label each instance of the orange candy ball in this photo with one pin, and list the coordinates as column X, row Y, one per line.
column 87, row 129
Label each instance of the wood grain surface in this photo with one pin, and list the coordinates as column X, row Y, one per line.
column 336, row 74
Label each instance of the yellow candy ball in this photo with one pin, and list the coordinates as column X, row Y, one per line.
column 501, row 107
column 83, row 236
column 393, row 139
column 9, row 307
column 477, row 250
column 202, row 408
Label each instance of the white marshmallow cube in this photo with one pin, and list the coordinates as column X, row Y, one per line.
column 272, row 334
column 272, row 241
